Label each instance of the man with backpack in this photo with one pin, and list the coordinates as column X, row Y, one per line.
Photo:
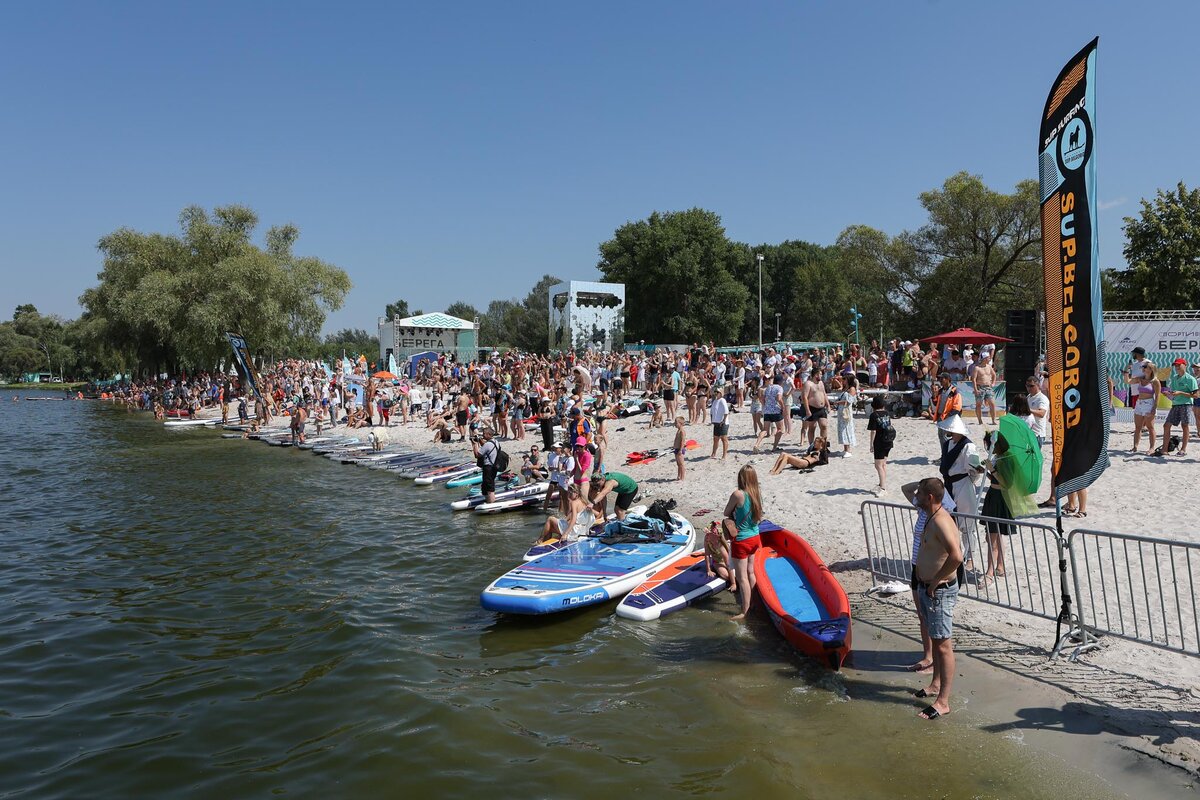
column 491, row 459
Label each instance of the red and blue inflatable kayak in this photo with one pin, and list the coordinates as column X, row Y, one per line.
column 803, row 598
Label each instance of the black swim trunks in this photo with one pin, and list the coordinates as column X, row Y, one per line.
column 669, row 395
column 460, row 417
column 624, row 501
column 817, row 413
column 720, row 429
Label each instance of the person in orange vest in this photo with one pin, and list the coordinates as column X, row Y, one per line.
column 948, row 403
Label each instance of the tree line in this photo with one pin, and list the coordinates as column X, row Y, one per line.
column 164, row 301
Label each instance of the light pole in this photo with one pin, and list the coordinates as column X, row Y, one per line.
column 759, row 256
column 777, row 316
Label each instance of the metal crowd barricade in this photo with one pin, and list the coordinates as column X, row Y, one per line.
column 1008, row 563
column 1137, row 587
column 1025, row 575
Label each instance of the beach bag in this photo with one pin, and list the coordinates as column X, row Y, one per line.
column 661, row 511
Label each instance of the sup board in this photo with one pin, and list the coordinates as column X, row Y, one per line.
column 585, row 573
column 515, row 504
column 190, row 423
column 476, row 499
column 677, row 585
column 476, row 479
column 803, row 598
column 446, row 474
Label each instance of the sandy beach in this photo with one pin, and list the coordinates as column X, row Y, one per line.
column 1141, row 693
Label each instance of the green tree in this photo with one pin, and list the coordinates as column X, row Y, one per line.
column 797, row 277
column 677, row 265
column 984, row 250
column 19, row 354
column 397, row 309
column 498, row 323
column 530, row 330
column 1162, row 248
column 167, row 300
column 978, row 255
column 462, row 311
column 349, row 341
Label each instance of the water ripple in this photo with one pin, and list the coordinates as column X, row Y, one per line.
column 185, row 615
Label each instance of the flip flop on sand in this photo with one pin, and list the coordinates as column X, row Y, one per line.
column 929, row 712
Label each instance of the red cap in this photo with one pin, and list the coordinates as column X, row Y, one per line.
column 1179, row 361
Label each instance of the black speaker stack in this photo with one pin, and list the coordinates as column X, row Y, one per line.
column 1021, row 354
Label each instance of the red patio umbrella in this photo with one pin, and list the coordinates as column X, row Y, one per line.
column 965, row 336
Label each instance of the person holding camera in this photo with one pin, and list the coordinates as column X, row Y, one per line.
column 486, row 452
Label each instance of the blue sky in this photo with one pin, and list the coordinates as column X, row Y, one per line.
column 440, row 152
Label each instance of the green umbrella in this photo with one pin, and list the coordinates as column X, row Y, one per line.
column 1020, row 468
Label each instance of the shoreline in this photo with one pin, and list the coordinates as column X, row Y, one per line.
column 1132, row 696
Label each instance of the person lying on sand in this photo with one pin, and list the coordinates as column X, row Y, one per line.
column 817, row 456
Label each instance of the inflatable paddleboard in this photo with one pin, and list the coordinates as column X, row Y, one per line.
column 803, row 598
column 476, row 479
column 447, row 475
column 475, row 499
column 677, row 585
column 585, row 573
column 516, row 504
column 190, row 423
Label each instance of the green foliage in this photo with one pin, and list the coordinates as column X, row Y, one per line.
column 1162, row 248
column 517, row 324
column 462, row 311
column 680, row 267
column 348, row 341
column 801, row 284
column 977, row 256
column 33, row 342
column 168, row 300
column 397, row 309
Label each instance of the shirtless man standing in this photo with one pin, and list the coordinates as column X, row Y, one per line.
column 816, row 408
column 462, row 414
column 938, row 560
column 983, row 378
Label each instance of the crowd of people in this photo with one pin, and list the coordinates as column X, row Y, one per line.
column 565, row 406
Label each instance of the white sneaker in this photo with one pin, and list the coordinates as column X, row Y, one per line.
column 846, row 454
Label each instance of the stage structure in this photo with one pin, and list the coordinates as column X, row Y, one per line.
column 440, row 333
column 587, row 316
column 1164, row 335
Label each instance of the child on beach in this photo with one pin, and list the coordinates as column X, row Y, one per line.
column 656, row 416
column 883, row 436
column 679, row 449
column 716, row 554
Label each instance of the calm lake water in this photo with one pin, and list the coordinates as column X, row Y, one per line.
column 187, row 616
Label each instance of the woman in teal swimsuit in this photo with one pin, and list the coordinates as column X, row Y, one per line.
column 742, row 515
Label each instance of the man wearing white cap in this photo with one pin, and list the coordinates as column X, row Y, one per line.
column 960, row 464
